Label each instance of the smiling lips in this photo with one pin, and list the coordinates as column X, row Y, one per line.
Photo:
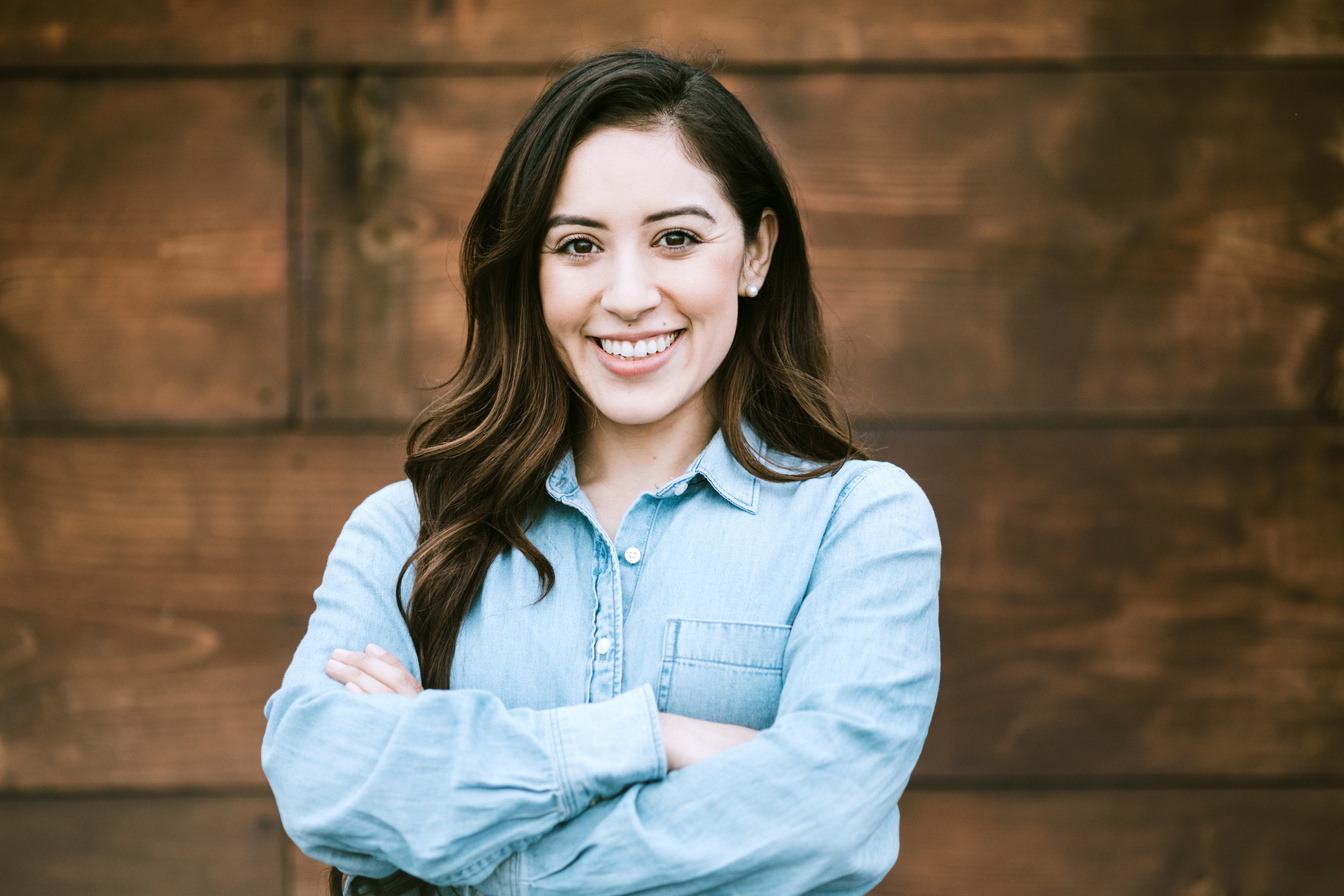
column 643, row 348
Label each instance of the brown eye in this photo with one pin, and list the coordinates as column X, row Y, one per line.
column 677, row 239
column 578, row 246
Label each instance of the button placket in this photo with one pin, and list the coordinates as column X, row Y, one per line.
column 605, row 681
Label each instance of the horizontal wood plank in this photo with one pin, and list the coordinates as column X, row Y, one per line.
column 1136, row 602
column 154, row 589
column 1093, row 244
column 142, row 846
column 142, row 251
column 121, row 32
column 1191, row 843
column 1136, row 843
column 1096, row 244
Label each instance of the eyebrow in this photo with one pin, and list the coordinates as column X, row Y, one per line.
column 683, row 210
column 558, row 220
column 579, row 221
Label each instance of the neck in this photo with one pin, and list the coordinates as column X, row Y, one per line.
column 637, row 458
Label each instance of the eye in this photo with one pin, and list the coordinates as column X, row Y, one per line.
column 576, row 245
column 677, row 239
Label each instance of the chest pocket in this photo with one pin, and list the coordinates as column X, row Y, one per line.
column 723, row 671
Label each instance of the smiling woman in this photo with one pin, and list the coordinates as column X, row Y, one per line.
column 640, row 274
column 732, row 671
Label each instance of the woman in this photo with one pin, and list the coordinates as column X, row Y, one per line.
column 690, row 630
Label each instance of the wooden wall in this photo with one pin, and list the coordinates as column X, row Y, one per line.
column 1084, row 264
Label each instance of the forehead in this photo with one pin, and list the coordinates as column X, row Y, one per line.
column 628, row 167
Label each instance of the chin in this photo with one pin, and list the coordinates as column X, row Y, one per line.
column 630, row 416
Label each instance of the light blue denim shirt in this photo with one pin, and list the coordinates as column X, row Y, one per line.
column 807, row 610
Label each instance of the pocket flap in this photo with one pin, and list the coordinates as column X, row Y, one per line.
column 749, row 644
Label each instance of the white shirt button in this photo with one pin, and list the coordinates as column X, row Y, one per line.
column 603, row 646
column 632, row 555
column 679, row 488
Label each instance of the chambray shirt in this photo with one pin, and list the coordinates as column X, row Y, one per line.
column 807, row 610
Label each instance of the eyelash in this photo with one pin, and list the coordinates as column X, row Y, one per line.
column 691, row 239
column 566, row 245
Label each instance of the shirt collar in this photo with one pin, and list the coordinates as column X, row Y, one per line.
column 716, row 465
column 720, row 469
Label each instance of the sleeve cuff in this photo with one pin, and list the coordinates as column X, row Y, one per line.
column 603, row 748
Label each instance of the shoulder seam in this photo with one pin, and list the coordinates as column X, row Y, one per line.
column 844, row 493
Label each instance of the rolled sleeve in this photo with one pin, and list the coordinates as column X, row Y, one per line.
column 601, row 748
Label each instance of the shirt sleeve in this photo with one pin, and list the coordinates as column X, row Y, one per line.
column 810, row 804
column 446, row 785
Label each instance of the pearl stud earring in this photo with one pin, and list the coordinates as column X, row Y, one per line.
column 752, row 290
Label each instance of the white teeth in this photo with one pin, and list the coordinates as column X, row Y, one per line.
column 641, row 349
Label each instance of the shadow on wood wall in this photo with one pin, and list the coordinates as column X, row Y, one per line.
column 1083, row 263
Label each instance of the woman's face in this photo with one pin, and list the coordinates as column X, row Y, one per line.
column 641, row 269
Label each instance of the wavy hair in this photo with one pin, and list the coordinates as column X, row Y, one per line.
column 478, row 457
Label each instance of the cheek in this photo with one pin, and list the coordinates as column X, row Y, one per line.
column 712, row 298
column 563, row 315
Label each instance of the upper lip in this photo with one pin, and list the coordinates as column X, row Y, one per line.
column 636, row 337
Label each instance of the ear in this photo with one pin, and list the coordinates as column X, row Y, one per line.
column 756, row 258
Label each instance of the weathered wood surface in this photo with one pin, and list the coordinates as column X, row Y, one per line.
column 1097, row 243
column 1137, row 601
column 153, row 591
column 987, row 245
column 393, row 170
column 1131, row 602
column 142, row 251
column 133, row 32
column 1121, row 843
column 141, row 846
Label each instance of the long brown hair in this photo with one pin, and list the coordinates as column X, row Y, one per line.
column 478, row 456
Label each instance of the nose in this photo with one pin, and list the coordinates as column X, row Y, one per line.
column 632, row 289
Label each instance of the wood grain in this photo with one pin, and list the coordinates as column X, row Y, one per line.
column 393, row 170
column 987, row 245
column 1137, row 601
column 1121, row 843
column 141, row 846
column 1148, row 602
column 134, row 32
column 1040, row 244
column 142, row 251
column 153, row 591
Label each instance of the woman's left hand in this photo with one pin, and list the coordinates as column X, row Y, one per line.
column 375, row 671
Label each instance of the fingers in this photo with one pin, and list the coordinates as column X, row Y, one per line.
column 374, row 671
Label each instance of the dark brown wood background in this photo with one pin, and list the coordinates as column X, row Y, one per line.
column 1083, row 261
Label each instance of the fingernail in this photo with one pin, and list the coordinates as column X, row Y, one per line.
column 375, row 650
column 352, row 688
column 340, row 653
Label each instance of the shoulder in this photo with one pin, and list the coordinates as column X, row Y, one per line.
column 883, row 491
column 874, row 493
column 388, row 516
column 868, row 480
